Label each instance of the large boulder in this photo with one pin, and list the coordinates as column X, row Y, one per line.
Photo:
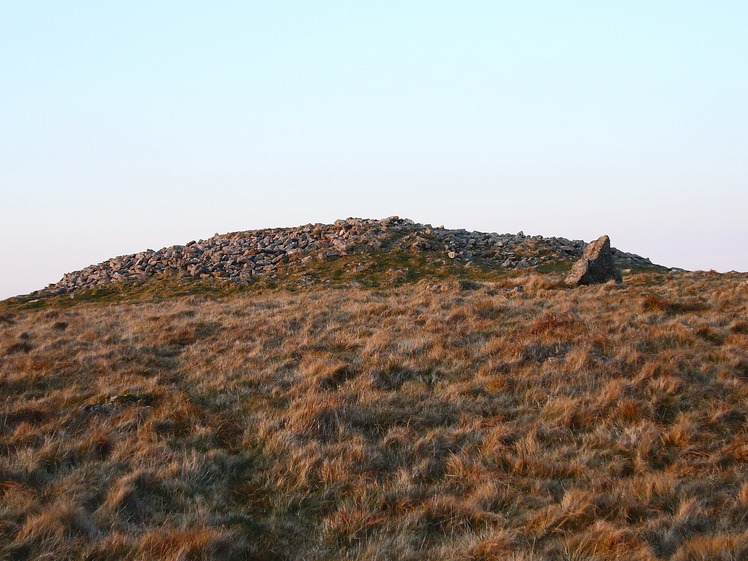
column 596, row 265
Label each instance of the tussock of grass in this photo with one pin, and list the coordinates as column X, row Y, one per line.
column 463, row 418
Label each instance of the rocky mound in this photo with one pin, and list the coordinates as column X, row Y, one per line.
column 241, row 256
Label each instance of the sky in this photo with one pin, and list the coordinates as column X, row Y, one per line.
column 133, row 125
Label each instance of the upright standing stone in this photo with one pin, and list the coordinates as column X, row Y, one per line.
column 596, row 265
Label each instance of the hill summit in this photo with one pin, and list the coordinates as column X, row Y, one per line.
column 366, row 250
column 375, row 389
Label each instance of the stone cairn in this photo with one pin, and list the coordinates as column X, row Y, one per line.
column 240, row 256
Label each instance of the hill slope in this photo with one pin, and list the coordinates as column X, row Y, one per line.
column 441, row 419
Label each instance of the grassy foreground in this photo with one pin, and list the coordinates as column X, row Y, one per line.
column 517, row 419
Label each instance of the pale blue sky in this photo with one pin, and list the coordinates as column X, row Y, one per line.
column 134, row 125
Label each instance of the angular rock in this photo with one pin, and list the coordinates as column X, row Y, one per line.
column 596, row 265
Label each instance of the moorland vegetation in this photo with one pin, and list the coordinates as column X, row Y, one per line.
column 494, row 417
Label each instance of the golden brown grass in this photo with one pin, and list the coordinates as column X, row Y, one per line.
column 513, row 420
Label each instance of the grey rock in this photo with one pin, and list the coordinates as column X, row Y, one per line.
column 596, row 265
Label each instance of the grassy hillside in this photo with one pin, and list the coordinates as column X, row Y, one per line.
column 501, row 417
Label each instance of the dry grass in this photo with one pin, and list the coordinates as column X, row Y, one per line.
column 513, row 420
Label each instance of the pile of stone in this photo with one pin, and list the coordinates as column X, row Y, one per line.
column 240, row 256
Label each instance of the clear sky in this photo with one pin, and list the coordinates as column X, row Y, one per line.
column 134, row 125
